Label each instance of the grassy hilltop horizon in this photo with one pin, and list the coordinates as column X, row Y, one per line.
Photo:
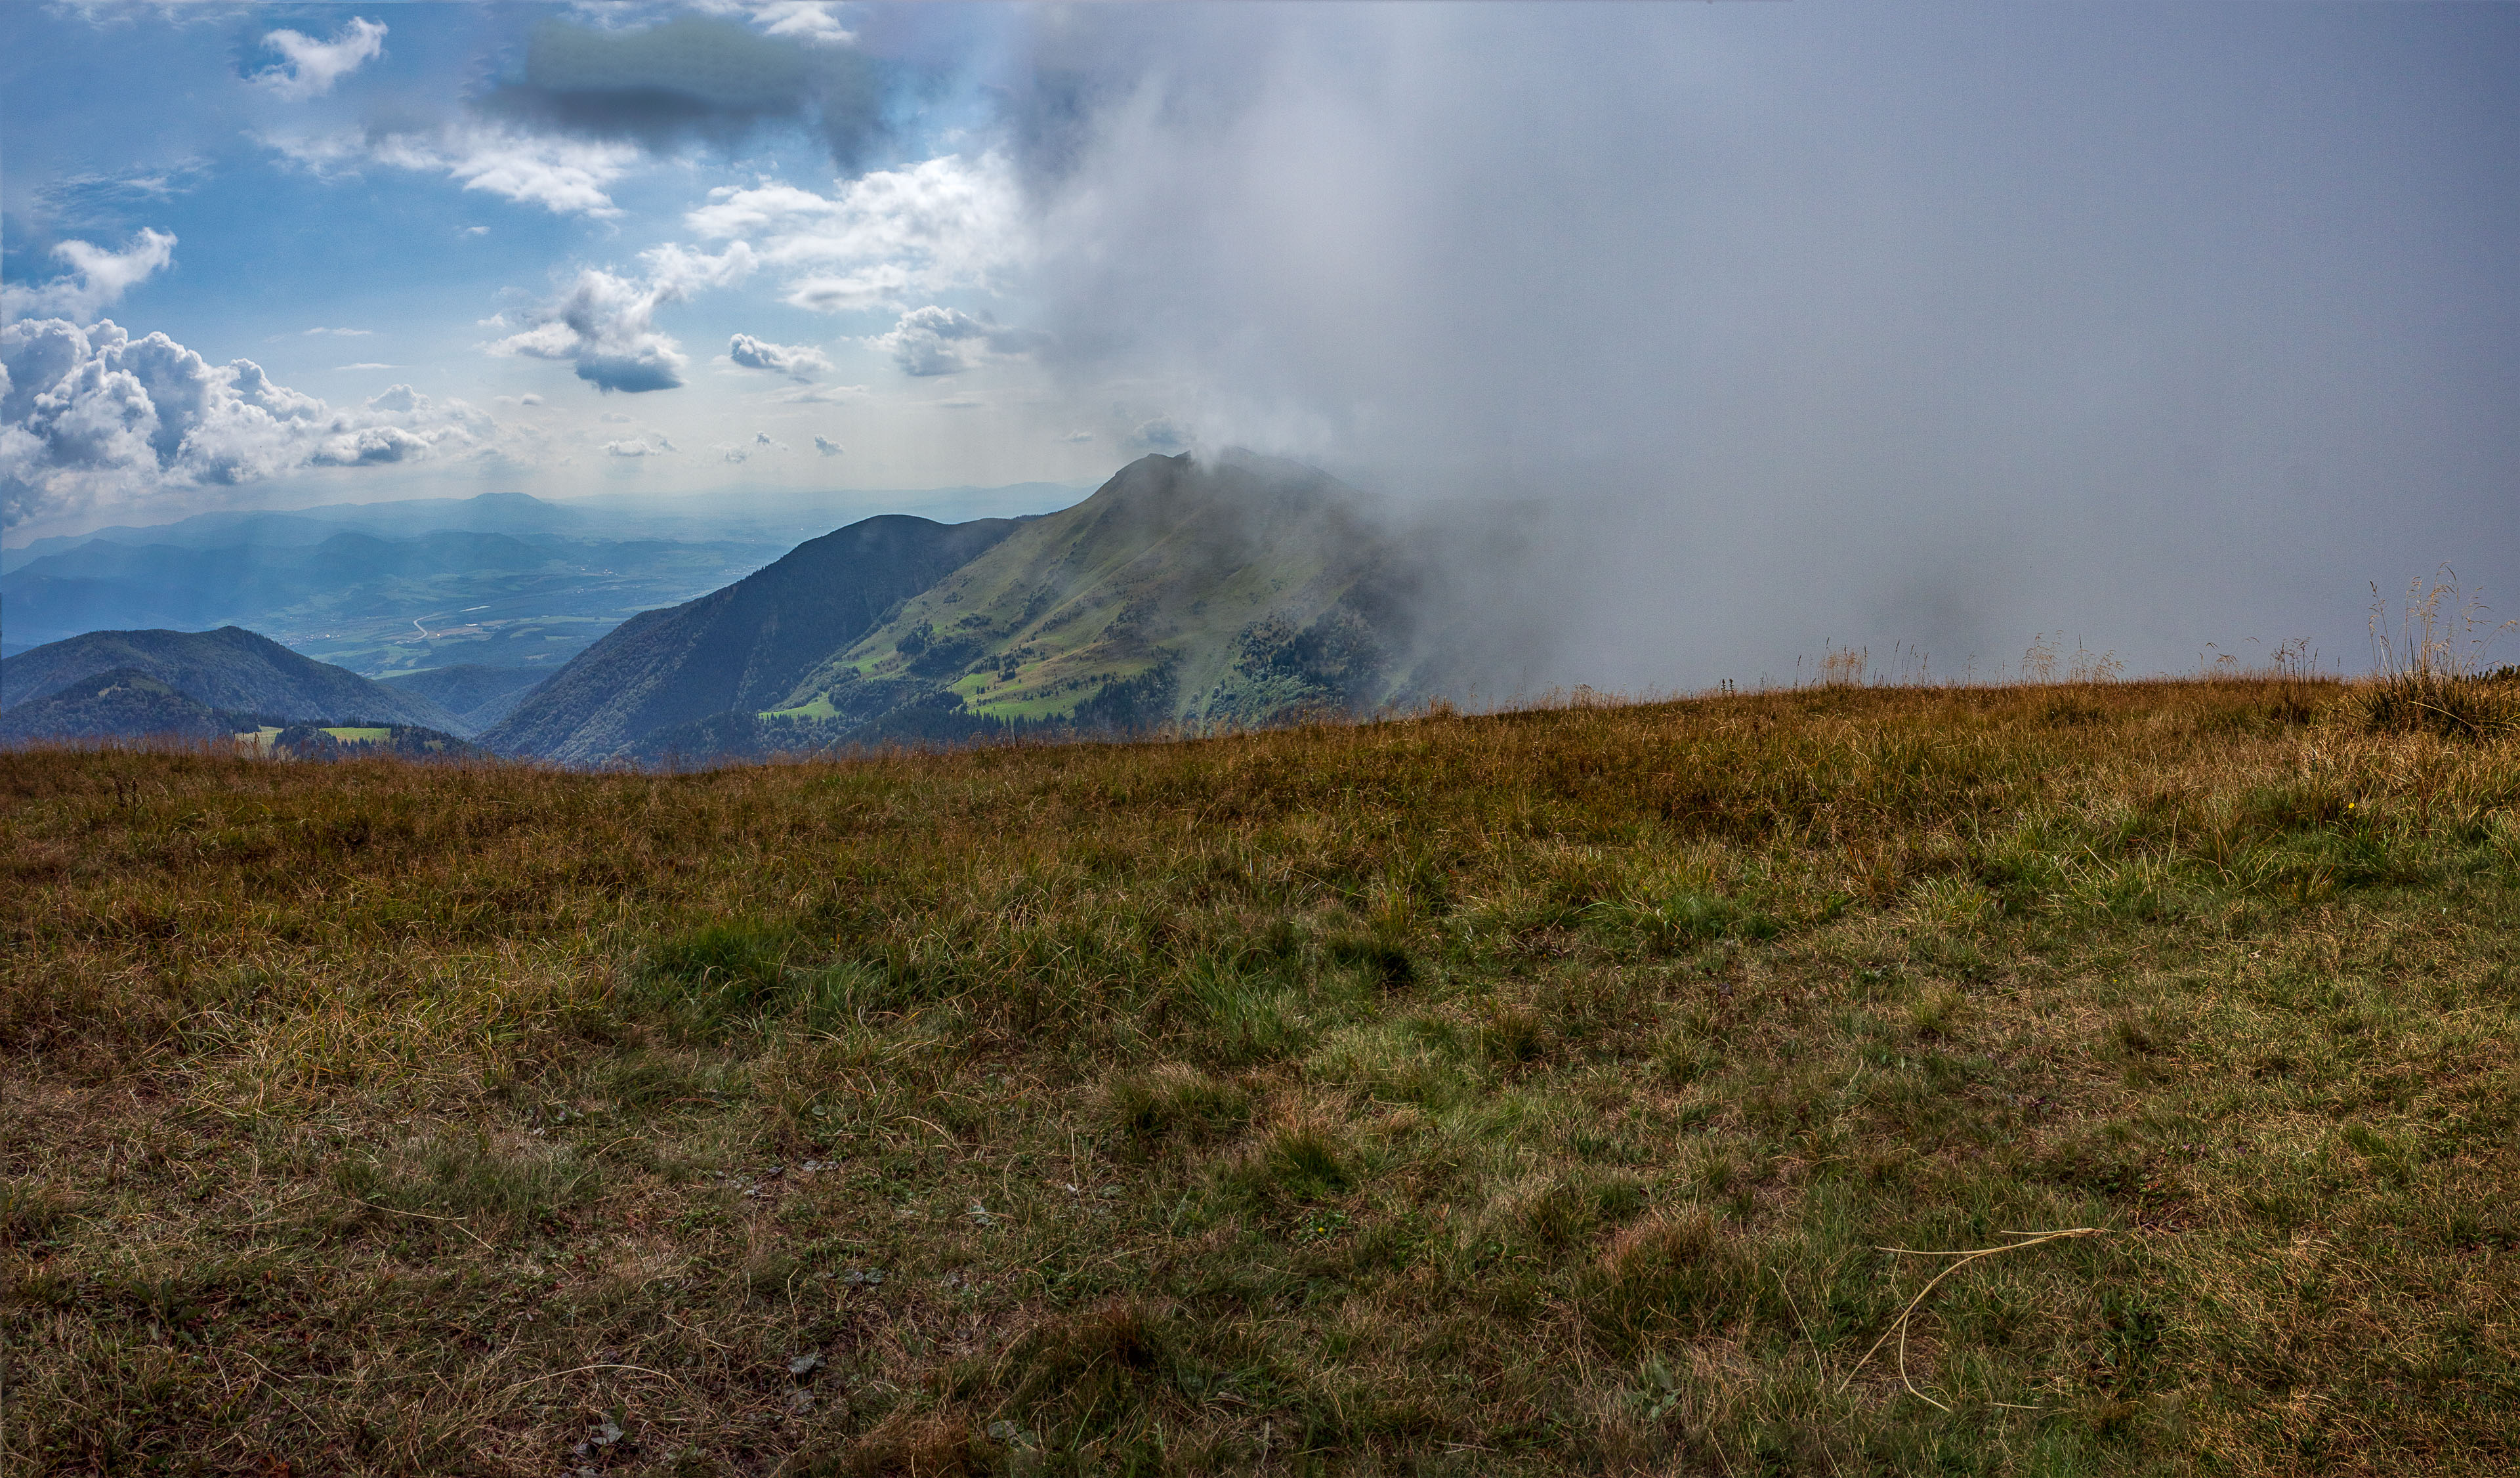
column 1598, row 1088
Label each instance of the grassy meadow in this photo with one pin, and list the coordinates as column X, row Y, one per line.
column 1534, row 1092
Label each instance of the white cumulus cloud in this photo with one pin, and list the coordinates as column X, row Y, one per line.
column 828, row 447
column 97, row 278
column 309, row 67
column 810, row 21
column 816, row 22
column 92, row 414
column 638, row 448
column 604, row 324
column 795, row 361
column 1161, row 435
column 934, row 340
column 888, row 234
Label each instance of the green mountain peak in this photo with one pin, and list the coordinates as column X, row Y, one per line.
column 1230, row 591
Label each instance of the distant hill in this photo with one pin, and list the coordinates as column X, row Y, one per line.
column 478, row 696
column 130, row 705
column 740, row 649
column 230, row 669
column 124, row 703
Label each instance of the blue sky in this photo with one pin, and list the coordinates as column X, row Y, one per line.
column 2161, row 323
column 363, row 215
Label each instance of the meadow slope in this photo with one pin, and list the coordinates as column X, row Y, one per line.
column 1524, row 1094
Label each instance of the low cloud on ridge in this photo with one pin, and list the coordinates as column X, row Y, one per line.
column 1734, row 301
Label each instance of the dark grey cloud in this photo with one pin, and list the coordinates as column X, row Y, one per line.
column 632, row 372
column 693, row 79
column 1802, row 324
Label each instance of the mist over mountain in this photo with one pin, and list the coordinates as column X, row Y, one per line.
column 230, row 670
column 1791, row 323
column 1186, row 592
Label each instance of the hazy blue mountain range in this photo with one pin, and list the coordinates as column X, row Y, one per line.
column 101, row 585
column 743, row 647
column 230, row 670
column 372, row 603
column 518, row 514
column 500, row 580
column 1236, row 591
column 776, row 517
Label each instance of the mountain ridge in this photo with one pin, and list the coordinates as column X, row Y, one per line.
column 1228, row 592
column 228, row 669
column 745, row 644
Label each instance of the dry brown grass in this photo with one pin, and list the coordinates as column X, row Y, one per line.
column 1527, row 1093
